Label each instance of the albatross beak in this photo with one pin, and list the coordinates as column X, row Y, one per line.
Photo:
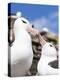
column 32, row 30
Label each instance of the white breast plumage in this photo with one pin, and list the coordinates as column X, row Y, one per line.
column 48, row 54
column 21, row 51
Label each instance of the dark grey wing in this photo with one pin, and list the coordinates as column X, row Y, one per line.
column 54, row 64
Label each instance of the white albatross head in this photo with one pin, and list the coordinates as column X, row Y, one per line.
column 21, row 23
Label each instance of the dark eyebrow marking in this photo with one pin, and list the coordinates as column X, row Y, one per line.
column 51, row 45
column 24, row 21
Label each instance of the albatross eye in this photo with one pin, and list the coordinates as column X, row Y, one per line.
column 24, row 21
column 51, row 45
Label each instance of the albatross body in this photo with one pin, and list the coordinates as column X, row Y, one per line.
column 48, row 55
column 21, row 50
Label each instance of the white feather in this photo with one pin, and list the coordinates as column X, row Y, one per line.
column 48, row 54
column 21, row 51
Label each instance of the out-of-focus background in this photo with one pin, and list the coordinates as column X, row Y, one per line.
column 45, row 19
